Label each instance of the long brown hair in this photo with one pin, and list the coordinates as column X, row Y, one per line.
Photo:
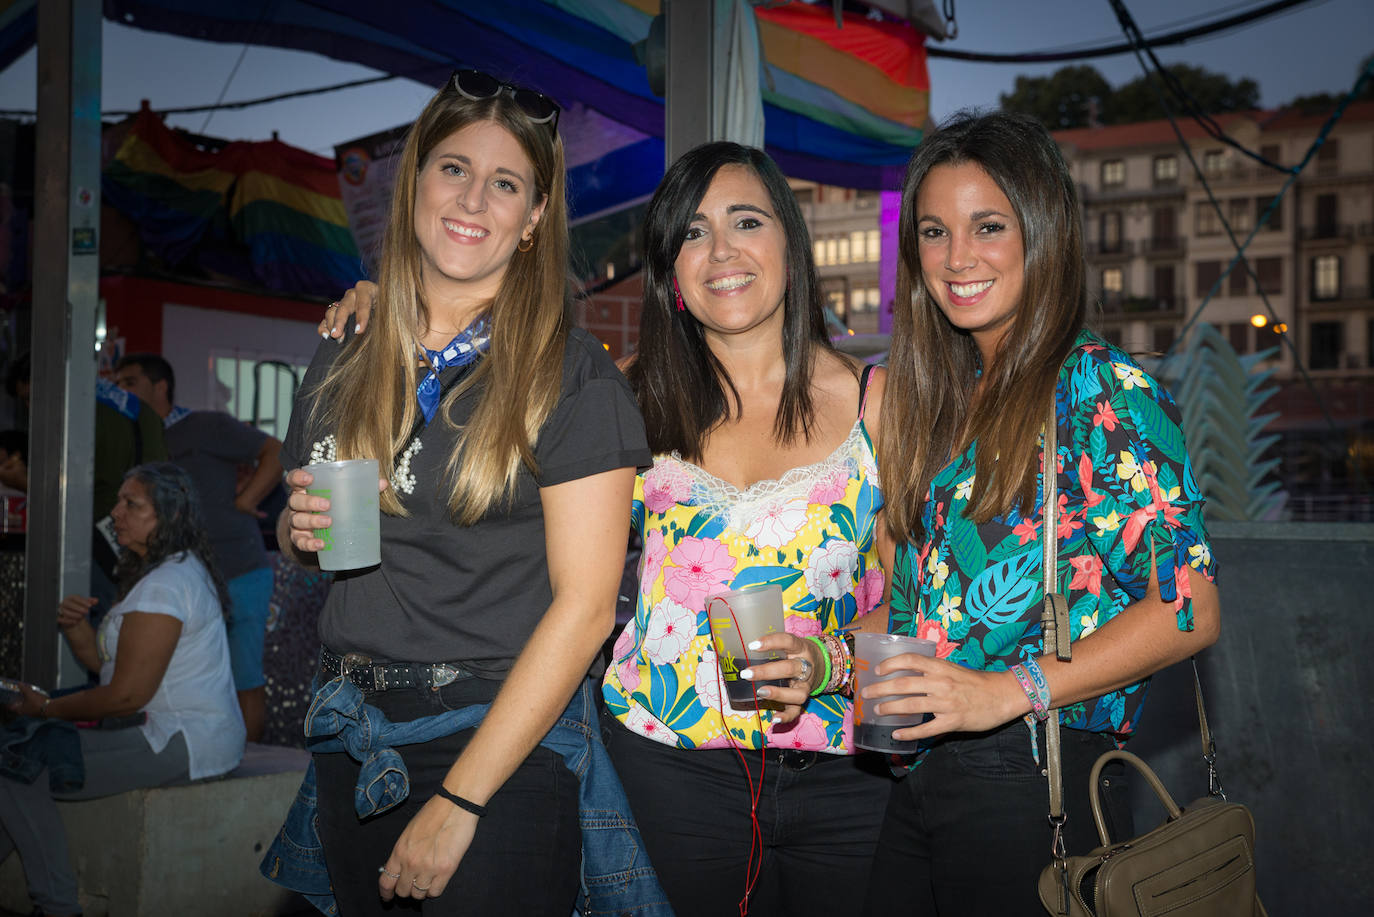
column 933, row 366
column 368, row 397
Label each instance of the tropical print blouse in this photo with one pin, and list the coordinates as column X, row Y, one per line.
column 1125, row 487
column 811, row 532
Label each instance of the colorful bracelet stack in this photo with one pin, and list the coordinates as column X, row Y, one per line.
column 1032, row 681
column 824, row 681
column 838, row 654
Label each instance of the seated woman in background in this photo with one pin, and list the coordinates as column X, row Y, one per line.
column 161, row 652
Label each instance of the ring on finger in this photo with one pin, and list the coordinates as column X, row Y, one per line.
column 390, row 875
column 421, row 888
column 805, row 674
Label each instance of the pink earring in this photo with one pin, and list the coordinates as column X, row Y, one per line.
column 677, row 297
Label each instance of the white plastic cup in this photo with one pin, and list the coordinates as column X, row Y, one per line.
column 871, row 730
column 354, row 538
column 738, row 618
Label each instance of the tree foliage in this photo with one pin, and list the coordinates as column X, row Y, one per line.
column 1072, row 96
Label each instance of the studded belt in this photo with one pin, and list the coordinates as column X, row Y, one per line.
column 372, row 676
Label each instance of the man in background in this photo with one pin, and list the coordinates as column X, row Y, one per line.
column 211, row 446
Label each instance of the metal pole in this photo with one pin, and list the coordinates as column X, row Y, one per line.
column 65, row 291
column 690, row 76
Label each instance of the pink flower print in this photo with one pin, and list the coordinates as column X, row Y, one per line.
column 628, row 672
column 654, row 554
column 651, row 727
column 778, row 524
column 665, row 485
column 847, row 728
column 806, row 732
column 869, row 592
column 702, row 565
column 923, row 629
column 803, row 626
column 830, row 489
column 1025, row 530
column 1087, row 573
column 1105, row 416
column 624, row 642
column 670, row 631
column 830, row 570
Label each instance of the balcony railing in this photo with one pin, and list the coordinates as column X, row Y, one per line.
column 1165, row 245
column 1118, row 248
column 1334, row 231
column 1158, row 304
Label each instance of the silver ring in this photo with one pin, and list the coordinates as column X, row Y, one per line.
column 805, row 675
column 418, row 887
column 389, row 875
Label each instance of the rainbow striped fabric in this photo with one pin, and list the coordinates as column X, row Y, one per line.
column 279, row 203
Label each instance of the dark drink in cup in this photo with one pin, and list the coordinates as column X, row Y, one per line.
column 738, row 618
column 871, row 730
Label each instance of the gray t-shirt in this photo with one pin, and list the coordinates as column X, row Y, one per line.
column 473, row 594
column 211, row 445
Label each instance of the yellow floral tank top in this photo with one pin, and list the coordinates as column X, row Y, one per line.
column 812, row 532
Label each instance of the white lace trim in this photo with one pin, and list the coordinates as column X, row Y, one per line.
column 742, row 506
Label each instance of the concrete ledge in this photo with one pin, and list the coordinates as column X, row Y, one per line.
column 190, row 849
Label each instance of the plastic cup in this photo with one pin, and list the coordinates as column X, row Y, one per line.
column 738, row 618
column 353, row 539
column 871, row 730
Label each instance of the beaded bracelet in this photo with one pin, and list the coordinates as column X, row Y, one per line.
column 824, row 681
column 846, row 679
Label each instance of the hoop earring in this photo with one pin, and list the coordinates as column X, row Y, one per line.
column 677, row 297
column 525, row 244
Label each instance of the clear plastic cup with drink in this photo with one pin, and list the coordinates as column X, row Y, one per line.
column 739, row 617
column 872, row 730
column 353, row 539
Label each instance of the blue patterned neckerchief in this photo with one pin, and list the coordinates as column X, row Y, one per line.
column 465, row 348
column 176, row 413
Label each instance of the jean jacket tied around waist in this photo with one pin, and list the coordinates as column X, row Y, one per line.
column 617, row 878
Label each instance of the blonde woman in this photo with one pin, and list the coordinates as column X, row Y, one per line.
column 511, row 443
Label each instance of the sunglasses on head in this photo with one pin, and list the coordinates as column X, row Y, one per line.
column 476, row 85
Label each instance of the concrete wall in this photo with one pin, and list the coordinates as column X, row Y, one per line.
column 1287, row 689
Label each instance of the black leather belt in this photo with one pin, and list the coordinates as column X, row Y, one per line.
column 796, row 760
column 383, row 676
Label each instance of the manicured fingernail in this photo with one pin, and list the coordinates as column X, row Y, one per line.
column 325, row 335
column 756, row 645
column 358, row 329
column 747, row 673
column 764, row 692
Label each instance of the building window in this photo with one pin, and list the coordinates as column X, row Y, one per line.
column 832, row 251
column 818, row 252
column 1165, row 292
column 1213, row 161
column 1164, row 227
column 843, row 249
column 262, row 384
column 1240, row 214
column 1113, row 283
column 1111, row 231
column 875, row 246
column 1275, row 220
column 864, row 299
column 834, row 300
column 1113, row 173
column 1270, row 274
column 858, row 249
column 1162, row 338
column 1328, row 156
column 1326, row 277
column 1166, row 170
column 1324, row 345
column 1208, row 272
column 1239, row 335
column 1208, row 220
column 1326, row 216
column 1236, row 281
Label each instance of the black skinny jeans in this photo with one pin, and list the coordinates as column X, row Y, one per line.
column 819, row 815
column 526, row 856
column 967, row 832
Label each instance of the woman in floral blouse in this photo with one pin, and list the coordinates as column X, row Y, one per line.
column 764, row 472
column 992, row 266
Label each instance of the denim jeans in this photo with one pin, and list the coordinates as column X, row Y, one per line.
column 616, row 877
column 526, row 854
column 967, row 831
column 819, row 816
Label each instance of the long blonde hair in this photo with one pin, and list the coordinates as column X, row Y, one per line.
column 368, row 398
column 929, row 412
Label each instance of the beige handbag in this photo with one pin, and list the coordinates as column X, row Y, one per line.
column 1199, row 863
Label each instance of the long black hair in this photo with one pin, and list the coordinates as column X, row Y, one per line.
column 680, row 384
column 179, row 529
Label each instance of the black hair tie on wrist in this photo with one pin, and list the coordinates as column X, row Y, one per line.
column 460, row 802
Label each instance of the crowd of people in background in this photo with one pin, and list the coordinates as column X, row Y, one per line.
column 739, row 447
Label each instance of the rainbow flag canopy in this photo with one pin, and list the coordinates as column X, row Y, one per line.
column 262, row 212
column 843, row 105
